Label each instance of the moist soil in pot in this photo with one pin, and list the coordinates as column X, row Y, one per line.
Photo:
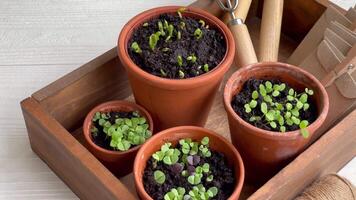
column 100, row 138
column 223, row 177
column 244, row 97
column 199, row 54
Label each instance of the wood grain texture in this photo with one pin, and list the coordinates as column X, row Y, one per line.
column 327, row 155
column 270, row 30
column 41, row 41
column 68, row 158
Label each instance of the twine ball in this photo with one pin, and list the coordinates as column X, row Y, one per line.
column 329, row 187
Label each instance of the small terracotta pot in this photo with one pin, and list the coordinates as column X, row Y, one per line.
column 118, row 162
column 173, row 135
column 174, row 102
column 265, row 152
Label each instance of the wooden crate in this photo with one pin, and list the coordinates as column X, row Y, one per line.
column 54, row 116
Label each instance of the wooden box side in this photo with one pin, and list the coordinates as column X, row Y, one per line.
column 332, row 151
column 73, row 163
column 71, row 97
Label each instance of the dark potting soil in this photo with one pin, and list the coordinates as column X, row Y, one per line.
column 209, row 49
column 101, row 139
column 223, row 177
column 244, row 96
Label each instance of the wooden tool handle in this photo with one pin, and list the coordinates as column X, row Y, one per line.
column 240, row 12
column 210, row 6
column 270, row 30
column 245, row 53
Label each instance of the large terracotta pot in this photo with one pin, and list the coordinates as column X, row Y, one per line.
column 174, row 102
column 265, row 152
column 118, row 162
column 173, row 135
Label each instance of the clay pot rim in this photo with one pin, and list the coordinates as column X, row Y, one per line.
column 222, row 67
column 186, row 129
column 111, row 105
column 290, row 135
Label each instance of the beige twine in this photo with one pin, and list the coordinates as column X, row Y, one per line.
column 329, row 187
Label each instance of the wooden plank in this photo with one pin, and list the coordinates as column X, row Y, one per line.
column 328, row 154
column 71, row 97
column 74, row 164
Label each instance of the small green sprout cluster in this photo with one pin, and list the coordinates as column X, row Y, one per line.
column 186, row 161
column 197, row 193
column 278, row 115
column 125, row 132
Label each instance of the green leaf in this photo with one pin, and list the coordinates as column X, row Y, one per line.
column 181, row 74
column 303, row 124
column 255, row 95
column 159, row 176
column 124, row 145
column 198, row 33
column 303, row 98
column 128, row 122
column 102, row 122
column 268, row 85
column 205, row 141
column 262, row 90
column 263, row 107
column 289, row 106
column 273, row 124
column 267, row 99
column 206, row 167
column 281, row 121
column 290, row 98
column 210, row 178
column 253, row 103
column 289, row 122
column 282, row 87
column 185, row 173
column 195, row 179
column 299, row 105
column 179, row 60
column 153, row 40
column 192, row 58
column 275, row 93
column 308, row 91
column 212, row 192
column 282, row 128
column 247, row 108
column 165, row 147
column 270, row 115
column 206, row 68
column 291, row 92
column 159, row 155
column 305, row 106
column 160, row 27
column 295, row 112
column 304, row 132
column 136, row 48
column 295, row 120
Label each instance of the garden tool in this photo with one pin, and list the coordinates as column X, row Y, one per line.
column 270, row 30
column 245, row 52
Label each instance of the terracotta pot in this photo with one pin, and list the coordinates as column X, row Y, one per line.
column 174, row 102
column 265, row 152
column 118, row 162
column 173, row 135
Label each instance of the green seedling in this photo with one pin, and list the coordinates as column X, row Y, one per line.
column 198, row 33
column 192, row 58
column 175, row 194
column 136, row 48
column 145, row 24
column 180, row 11
column 179, row 60
column 279, row 115
column 153, row 40
column 200, row 193
column 202, row 22
column 159, row 176
column 181, row 74
column 125, row 132
column 206, row 67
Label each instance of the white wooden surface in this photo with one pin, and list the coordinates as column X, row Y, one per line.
column 41, row 40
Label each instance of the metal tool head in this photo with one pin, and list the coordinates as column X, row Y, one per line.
column 230, row 7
